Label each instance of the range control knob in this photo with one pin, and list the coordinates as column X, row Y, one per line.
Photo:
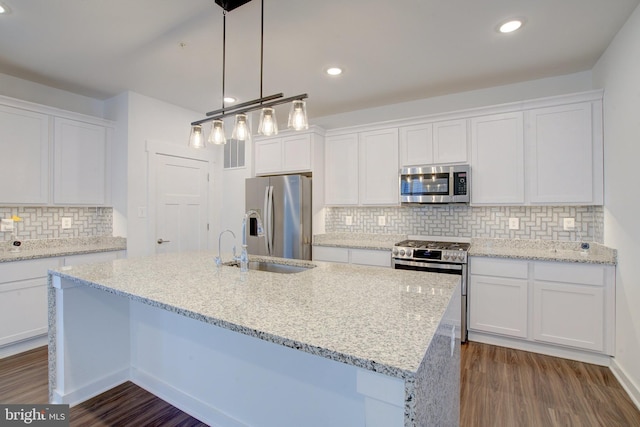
column 401, row 252
column 446, row 256
column 395, row 251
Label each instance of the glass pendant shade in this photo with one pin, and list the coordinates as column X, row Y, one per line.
column 196, row 139
column 241, row 131
column 268, row 124
column 298, row 115
column 217, row 133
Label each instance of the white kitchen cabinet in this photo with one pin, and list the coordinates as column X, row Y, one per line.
column 285, row 154
column 498, row 296
column 24, row 156
column 559, row 308
column 564, row 154
column 416, row 145
column 573, row 305
column 81, row 163
column 497, row 159
column 450, row 141
column 434, row 143
column 341, row 170
column 379, row 167
column 370, row 257
column 91, row 258
column 23, row 299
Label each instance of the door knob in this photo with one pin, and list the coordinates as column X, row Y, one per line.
column 160, row 241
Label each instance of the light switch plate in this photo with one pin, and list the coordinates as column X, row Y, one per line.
column 348, row 220
column 6, row 224
column 514, row 223
column 66, row 223
column 382, row 221
column 569, row 224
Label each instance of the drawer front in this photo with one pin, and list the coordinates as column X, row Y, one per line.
column 584, row 274
column 28, row 269
column 324, row 253
column 499, row 267
column 371, row 257
column 23, row 310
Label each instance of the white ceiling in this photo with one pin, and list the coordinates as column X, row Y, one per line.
column 391, row 51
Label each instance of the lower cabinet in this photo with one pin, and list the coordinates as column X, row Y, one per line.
column 23, row 298
column 565, row 304
column 373, row 257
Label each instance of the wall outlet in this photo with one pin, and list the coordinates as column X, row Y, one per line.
column 569, row 224
column 514, row 223
column 66, row 223
column 382, row 221
column 6, row 224
column 348, row 220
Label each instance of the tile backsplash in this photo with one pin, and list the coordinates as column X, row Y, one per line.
column 536, row 222
column 46, row 222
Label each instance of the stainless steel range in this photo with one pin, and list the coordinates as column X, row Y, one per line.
column 435, row 257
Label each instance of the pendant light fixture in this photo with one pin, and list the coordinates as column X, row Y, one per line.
column 268, row 124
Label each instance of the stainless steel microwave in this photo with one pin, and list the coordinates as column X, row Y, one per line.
column 435, row 184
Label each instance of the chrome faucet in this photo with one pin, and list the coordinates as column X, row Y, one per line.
column 219, row 257
column 244, row 256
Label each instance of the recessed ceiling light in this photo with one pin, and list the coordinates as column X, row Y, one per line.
column 229, row 99
column 334, row 71
column 3, row 9
column 510, row 26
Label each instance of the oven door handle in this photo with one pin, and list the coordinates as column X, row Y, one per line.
column 440, row 266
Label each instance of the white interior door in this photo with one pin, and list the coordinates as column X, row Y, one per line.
column 181, row 204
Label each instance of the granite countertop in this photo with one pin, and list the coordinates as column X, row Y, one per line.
column 542, row 250
column 375, row 318
column 47, row 248
column 358, row 240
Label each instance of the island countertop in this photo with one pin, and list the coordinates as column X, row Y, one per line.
column 378, row 319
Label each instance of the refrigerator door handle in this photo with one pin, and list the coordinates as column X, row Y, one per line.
column 270, row 223
column 265, row 218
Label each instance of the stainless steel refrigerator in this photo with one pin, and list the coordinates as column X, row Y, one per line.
column 284, row 204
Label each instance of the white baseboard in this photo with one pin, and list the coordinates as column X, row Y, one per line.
column 183, row 401
column 22, row 346
column 535, row 347
column 627, row 383
column 91, row 390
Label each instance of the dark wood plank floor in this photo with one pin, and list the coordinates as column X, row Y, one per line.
column 500, row 387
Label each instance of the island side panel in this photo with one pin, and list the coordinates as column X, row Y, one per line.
column 89, row 343
column 437, row 382
column 227, row 378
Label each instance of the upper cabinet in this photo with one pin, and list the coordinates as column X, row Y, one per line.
column 379, row 167
column 53, row 157
column 564, row 154
column 341, row 170
column 362, row 168
column 497, row 163
column 24, row 163
column 286, row 154
column 549, row 152
column 434, row 143
column 80, row 163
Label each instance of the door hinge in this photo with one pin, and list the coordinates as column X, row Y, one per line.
column 207, row 227
column 207, row 177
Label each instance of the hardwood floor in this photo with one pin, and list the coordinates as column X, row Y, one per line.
column 505, row 387
column 500, row 387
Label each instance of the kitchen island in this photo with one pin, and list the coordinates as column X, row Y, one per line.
column 338, row 345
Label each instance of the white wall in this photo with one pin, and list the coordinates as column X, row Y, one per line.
column 117, row 109
column 618, row 72
column 41, row 94
column 148, row 119
column 551, row 86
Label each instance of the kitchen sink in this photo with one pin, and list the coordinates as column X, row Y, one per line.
column 273, row 267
